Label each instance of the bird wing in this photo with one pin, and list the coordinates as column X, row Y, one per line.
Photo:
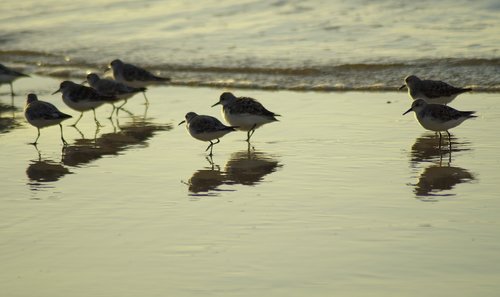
column 445, row 113
column 203, row 124
column 435, row 89
column 45, row 110
column 251, row 106
column 85, row 93
column 132, row 72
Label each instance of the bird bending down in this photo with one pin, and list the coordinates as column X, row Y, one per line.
column 82, row 98
column 245, row 113
column 439, row 118
column 134, row 76
column 432, row 91
column 41, row 114
column 206, row 128
column 8, row 75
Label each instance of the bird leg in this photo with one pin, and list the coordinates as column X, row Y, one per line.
column 81, row 115
column 113, row 111
column 95, row 119
column 62, row 137
column 251, row 132
column 211, row 146
column 120, row 107
column 147, row 101
column 34, row 143
column 449, row 141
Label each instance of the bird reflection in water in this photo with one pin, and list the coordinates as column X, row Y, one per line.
column 438, row 178
column 206, row 181
column 247, row 167
column 134, row 133
column 8, row 119
column 41, row 172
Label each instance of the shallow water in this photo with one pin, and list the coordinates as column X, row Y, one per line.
column 343, row 196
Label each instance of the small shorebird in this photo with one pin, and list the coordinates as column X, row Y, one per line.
column 108, row 87
column 82, row 98
column 432, row 91
column 8, row 75
column 245, row 113
column 205, row 128
column 438, row 118
column 41, row 114
column 134, row 76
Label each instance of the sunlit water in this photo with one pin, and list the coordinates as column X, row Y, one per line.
column 298, row 45
column 344, row 196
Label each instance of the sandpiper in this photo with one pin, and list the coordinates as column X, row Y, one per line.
column 245, row 113
column 82, row 98
column 8, row 75
column 432, row 91
column 108, row 87
column 205, row 128
column 134, row 76
column 41, row 114
column 439, row 118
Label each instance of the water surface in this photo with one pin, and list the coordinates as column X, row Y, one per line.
column 295, row 45
column 343, row 196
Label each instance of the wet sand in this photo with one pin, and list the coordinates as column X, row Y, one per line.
column 344, row 196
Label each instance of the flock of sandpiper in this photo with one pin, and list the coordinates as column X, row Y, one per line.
column 241, row 113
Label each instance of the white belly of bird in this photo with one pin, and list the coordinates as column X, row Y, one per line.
column 245, row 121
column 439, row 100
column 208, row 136
column 437, row 126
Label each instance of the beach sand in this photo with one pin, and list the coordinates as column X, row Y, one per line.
column 343, row 196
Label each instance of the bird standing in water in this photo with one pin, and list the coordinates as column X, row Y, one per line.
column 245, row 113
column 41, row 114
column 206, row 128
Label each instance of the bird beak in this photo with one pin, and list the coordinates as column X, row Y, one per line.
column 216, row 104
column 181, row 123
column 407, row 111
column 402, row 87
column 59, row 90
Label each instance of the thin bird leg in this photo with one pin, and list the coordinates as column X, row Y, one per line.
column 95, row 119
column 211, row 161
column 11, row 89
column 81, row 115
column 211, row 146
column 218, row 140
column 34, row 143
column 127, row 111
column 120, row 107
column 147, row 101
column 449, row 141
column 439, row 140
column 62, row 137
column 79, row 132
column 251, row 132
column 112, row 112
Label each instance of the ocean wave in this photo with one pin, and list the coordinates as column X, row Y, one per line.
column 480, row 74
